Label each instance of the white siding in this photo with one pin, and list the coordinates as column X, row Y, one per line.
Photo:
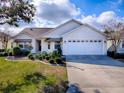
column 63, row 29
column 120, row 49
column 44, row 46
column 85, row 33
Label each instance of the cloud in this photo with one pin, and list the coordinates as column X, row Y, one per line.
column 103, row 18
column 55, row 11
column 106, row 16
column 50, row 13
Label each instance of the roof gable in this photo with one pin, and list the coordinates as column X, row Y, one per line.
column 63, row 28
column 86, row 25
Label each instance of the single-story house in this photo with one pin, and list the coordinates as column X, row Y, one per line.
column 73, row 37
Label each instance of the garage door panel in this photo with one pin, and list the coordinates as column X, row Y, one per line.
column 82, row 48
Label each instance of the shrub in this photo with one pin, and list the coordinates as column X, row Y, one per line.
column 34, row 78
column 59, row 50
column 5, row 54
column 16, row 51
column 31, row 56
column 51, row 61
column 1, row 54
column 47, row 57
column 44, row 53
column 40, row 57
column 37, row 56
column 50, row 55
column 119, row 56
column 25, row 52
column 59, row 61
column 54, row 54
column 110, row 53
column 43, row 56
column 115, row 55
column 62, row 87
column 9, row 52
column 2, row 50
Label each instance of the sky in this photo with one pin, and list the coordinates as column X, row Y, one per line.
column 51, row 13
column 90, row 7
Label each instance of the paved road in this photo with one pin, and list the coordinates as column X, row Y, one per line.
column 96, row 74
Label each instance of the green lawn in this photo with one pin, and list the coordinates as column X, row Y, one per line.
column 28, row 76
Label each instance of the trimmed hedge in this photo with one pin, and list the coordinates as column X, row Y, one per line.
column 16, row 51
column 116, row 56
column 25, row 52
column 59, row 61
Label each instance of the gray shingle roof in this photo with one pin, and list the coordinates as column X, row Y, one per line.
column 35, row 32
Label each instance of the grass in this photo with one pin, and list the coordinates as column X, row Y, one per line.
column 28, row 76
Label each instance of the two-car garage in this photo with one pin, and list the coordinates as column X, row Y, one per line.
column 84, row 41
column 84, row 47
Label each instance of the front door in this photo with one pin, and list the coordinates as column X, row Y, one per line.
column 39, row 45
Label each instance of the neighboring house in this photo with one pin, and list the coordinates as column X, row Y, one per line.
column 120, row 48
column 74, row 38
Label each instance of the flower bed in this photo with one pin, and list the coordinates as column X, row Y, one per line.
column 52, row 58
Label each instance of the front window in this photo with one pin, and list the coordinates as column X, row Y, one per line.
column 122, row 44
column 57, row 45
column 25, row 45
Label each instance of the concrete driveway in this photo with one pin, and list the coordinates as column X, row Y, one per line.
column 96, row 74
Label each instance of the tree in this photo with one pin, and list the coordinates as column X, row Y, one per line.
column 4, row 38
column 14, row 11
column 113, row 30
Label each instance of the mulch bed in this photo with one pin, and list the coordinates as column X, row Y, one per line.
column 17, row 58
column 20, row 58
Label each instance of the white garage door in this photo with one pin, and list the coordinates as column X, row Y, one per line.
column 83, row 47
